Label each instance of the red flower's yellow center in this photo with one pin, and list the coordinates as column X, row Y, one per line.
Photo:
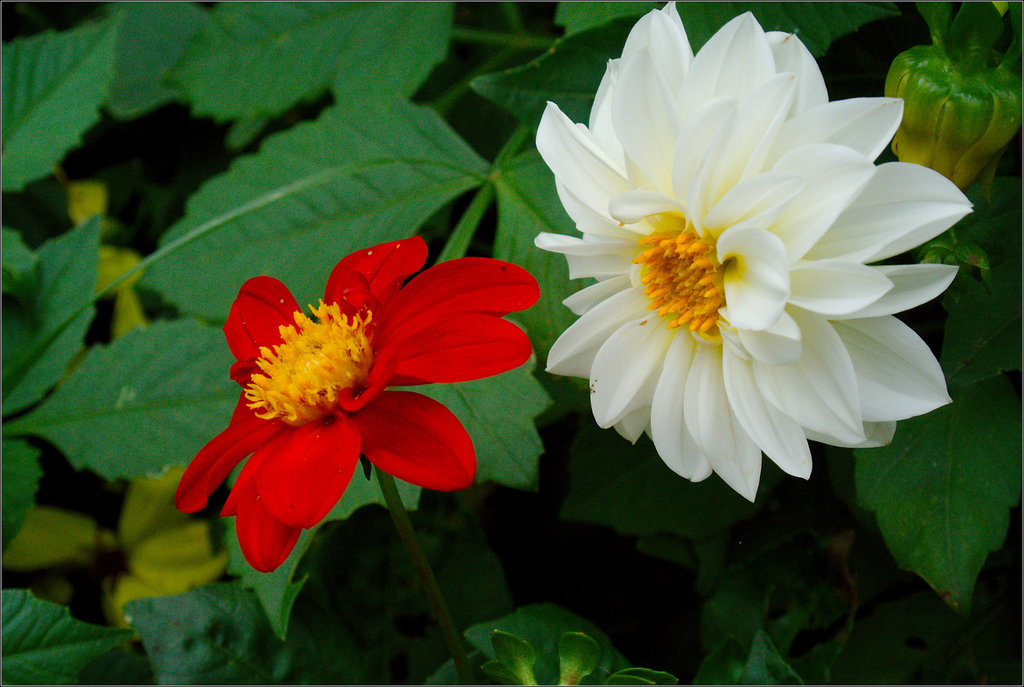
column 682, row 276
column 303, row 376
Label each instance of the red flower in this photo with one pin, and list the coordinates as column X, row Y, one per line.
column 315, row 391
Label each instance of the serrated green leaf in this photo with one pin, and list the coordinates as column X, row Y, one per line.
column 542, row 625
column 151, row 399
column 153, row 35
column 527, row 206
column 569, row 73
column 43, row 644
column 310, row 196
column 21, row 473
column 53, row 85
column 578, row 655
column 66, row 275
column 943, row 489
column 498, row 413
column 628, row 487
column 219, row 634
column 258, row 59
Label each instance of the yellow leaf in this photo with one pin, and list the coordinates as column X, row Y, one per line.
column 179, row 559
column 85, row 199
column 53, row 537
column 149, row 509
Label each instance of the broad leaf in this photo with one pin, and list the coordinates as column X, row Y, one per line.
column 150, row 399
column 19, row 263
column 152, row 37
column 943, row 489
column 218, row 634
column 310, row 196
column 580, row 16
column 569, row 73
column 527, row 206
column 256, row 58
column 58, row 318
column 765, row 666
column 21, row 473
column 43, row 644
column 498, row 413
column 629, row 488
column 53, row 85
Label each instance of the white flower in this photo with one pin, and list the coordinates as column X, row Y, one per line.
column 728, row 211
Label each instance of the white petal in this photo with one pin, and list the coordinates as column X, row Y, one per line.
column 709, row 418
column 779, row 344
column 819, row 390
column 600, row 123
column 574, row 157
column 836, row 287
column 778, row 435
column 668, row 429
column 645, row 121
column 792, row 56
column 585, row 299
column 834, row 176
column 661, row 34
column 756, row 202
column 897, row 375
column 626, row 368
column 756, row 276
column 734, row 61
column 702, row 128
column 573, row 352
column 864, row 124
column 902, row 206
column 876, row 434
column 633, row 424
column 590, row 258
column 597, row 224
column 912, row 286
column 632, row 206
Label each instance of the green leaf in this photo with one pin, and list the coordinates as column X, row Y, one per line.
column 578, row 655
column 58, row 318
column 43, row 644
column 765, row 666
column 641, row 676
column 310, row 196
column 499, row 673
column 943, row 489
column 515, row 654
column 152, row 37
column 21, row 473
column 498, row 413
column 19, row 262
column 118, row 666
column 151, row 399
column 723, row 665
column 628, row 487
column 218, row 634
column 542, row 625
column 527, row 206
column 580, row 16
column 53, row 85
column 255, row 58
column 568, row 74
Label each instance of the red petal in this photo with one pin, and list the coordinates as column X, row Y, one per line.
column 382, row 268
column 476, row 346
column 265, row 540
column 302, row 479
column 417, row 440
column 218, row 458
column 262, row 306
column 459, row 287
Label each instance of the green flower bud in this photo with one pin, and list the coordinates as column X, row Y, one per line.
column 962, row 99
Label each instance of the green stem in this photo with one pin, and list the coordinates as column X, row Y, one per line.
column 521, row 41
column 510, row 11
column 412, row 546
column 462, row 235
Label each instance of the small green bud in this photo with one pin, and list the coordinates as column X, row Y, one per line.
column 962, row 100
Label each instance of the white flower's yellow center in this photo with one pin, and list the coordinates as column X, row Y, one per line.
column 682, row 276
column 303, row 376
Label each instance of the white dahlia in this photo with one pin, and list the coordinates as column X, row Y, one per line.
column 728, row 211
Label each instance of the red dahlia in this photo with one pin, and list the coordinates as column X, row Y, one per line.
column 315, row 391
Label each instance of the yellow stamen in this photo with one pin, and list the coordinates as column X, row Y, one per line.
column 682, row 277
column 303, row 376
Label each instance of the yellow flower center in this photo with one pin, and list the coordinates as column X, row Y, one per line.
column 303, row 376
column 682, row 276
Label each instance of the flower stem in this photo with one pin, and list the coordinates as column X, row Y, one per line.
column 437, row 603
